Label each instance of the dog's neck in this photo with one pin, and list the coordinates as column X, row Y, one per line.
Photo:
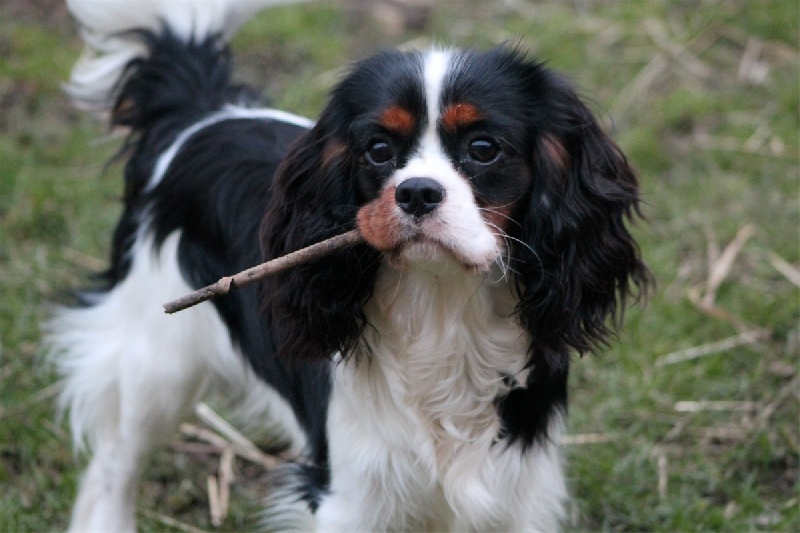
column 446, row 344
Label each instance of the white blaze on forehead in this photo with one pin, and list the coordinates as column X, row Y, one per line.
column 457, row 222
column 429, row 158
column 436, row 66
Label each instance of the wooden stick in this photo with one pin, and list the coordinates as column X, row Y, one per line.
column 214, row 509
column 242, row 445
column 275, row 266
column 221, row 443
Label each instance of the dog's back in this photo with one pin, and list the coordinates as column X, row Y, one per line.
column 199, row 160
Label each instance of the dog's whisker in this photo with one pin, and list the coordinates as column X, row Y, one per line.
column 497, row 210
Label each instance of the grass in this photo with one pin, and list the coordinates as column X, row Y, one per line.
column 703, row 97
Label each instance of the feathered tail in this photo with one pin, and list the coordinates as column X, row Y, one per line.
column 109, row 29
column 157, row 67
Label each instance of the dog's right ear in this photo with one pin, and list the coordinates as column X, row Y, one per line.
column 316, row 309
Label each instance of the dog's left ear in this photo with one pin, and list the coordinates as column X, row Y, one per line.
column 315, row 309
column 579, row 262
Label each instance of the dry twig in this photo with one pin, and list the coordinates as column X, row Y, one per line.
column 228, row 442
column 791, row 388
column 275, row 266
column 214, row 508
column 226, row 477
column 691, row 63
column 205, row 435
column 243, row 446
column 704, row 296
column 663, row 476
column 688, row 406
column 785, row 268
column 35, row 398
column 586, row 438
column 695, row 352
column 721, row 268
column 170, row 522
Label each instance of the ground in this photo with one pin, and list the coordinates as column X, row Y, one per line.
column 688, row 421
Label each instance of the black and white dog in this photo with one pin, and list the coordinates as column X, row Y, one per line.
column 420, row 378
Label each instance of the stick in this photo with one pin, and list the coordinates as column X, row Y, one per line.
column 663, row 476
column 275, row 266
column 214, row 509
column 719, row 269
column 745, row 337
column 782, row 266
column 260, row 458
column 225, row 479
column 243, row 446
column 171, row 522
column 706, row 405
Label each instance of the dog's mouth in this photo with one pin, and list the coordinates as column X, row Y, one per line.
column 432, row 241
column 420, row 250
column 424, row 252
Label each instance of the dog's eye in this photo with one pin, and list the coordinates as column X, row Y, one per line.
column 483, row 151
column 379, row 152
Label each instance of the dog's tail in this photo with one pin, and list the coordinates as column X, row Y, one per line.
column 149, row 61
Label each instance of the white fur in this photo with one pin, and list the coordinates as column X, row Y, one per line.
column 108, row 50
column 457, row 223
column 283, row 510
column 436, row 65
column 433, row 364
column 133, row 373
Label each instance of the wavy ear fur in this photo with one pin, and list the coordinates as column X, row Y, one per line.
column 582, row 262
column 315, row 309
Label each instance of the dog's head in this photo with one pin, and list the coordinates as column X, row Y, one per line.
column 485, row 160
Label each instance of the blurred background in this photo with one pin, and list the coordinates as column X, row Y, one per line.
column 688, row 423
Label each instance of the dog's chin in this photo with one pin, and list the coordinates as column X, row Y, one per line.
column 438, row 258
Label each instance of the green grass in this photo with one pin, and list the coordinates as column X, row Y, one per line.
column 703, row 97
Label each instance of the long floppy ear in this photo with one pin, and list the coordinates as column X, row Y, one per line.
column 315, row 310
column 580, row 263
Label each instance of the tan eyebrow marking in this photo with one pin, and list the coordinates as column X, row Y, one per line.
column 460, row 116
column 398, row 120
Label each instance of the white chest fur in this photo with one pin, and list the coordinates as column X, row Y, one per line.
column 413, row 418
column 441, row 347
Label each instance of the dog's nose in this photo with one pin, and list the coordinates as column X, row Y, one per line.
column 419, row 196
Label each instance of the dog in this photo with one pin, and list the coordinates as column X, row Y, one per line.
column 419, row 378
